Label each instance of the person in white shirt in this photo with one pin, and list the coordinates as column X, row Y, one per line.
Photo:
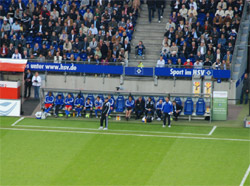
column 16, row 55
column 36, row 82
column 198, row 65
column 160, row 62
column 93, row 30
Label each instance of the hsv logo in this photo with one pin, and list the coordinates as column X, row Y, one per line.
column 6, row 108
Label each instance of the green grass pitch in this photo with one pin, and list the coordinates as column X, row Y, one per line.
column 73, row 152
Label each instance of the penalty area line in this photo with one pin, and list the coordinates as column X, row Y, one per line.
column 16, row 122
column 245, row 176
column 212, row 131
column 126, row 134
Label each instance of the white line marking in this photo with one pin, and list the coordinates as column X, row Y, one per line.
column 124, row 134
column 245, row 176
column 212, row 131
column 153, row 132
column 20, row 119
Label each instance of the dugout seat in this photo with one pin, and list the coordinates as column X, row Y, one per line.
column 200, row 107
column 189, row 106
column 101, row 97
column 91, row 97
column 178, row 100
column 120, row 104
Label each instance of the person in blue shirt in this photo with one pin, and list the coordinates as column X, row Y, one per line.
column 98, row 106
column 88, row 106
column 79, row 105
column 167, row 111
column 69, row 102
column 49, row 102
column 58, row 104
column 130, row 104
column 112, row 103
column 159, row 107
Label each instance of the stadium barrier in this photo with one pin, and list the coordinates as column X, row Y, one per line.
column 126, row 71
column 189, row 112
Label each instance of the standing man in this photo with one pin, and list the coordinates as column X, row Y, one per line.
column 27, row 83
column 151, row 9
column 105, row 114
column 160, row 8
column 36, row 82
column 98, row 106
column 176, row 110
column 245, row 89
column 167, row 111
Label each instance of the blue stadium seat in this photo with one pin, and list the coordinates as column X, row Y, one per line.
column 178, row 100
column 59, row 93
column 101, row 96
column 29, row 40
column 120, row 104
column 200, row 107
column 83, row 56
column 189, row 106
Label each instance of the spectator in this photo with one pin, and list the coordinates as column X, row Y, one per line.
column 207, row 64
column 151, row 9
column 228, row 57
column 188, row 64
column 245, row 89
column 161, row 62
column 198, row 65
column 139, row 50
column 225, row 65
column 67, row 46
column 217, row 65
column 57, row 58
column 130, row 104
column 27, row 83
column 4, row 51
column 16, row 55
column 36, row 82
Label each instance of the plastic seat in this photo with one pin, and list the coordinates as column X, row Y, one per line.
column 178, row 100
column 200, row 107
column 101, row 97
column 189, row 106
column 120, row 104
column 91, row 97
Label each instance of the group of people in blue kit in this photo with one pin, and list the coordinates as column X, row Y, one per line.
column 163, row 109
column 68, row 103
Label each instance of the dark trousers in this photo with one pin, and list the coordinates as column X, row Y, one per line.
column 159, row 113
column 165, row 117
column 87, row 109
column 104, row 117
column 27, row 87
column 36, row 91
column 176, row 115
column 57, row 108
column 149, row 112
column 159, row 13
column 150, row 13
column 246, row 97
column 138, row 113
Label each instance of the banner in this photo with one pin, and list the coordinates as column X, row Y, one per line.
column 12, row 65
column 138, row 71
column 10, row 107
column 72, row 67
column 10, row 89
column 220, row 105
column 196, row 87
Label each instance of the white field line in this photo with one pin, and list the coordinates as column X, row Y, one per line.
column 113, row 130
column 245, row 176
column 126, row 134
column 20, row 119
column 212, row 131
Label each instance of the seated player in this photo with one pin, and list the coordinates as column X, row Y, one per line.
column 49, row 102
column 79, row 105
column 98, row 106
column 139, row 107
column 112, row 104
column 159, row 107
column 130, row 104
column 176, row 110
column 88, row 106
column 149, row 107
column 69, row 102
column 58, row 104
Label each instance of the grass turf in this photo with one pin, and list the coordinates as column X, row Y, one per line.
column 68, row 158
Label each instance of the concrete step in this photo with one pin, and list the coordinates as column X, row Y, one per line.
column 150, row 34
column 152, row 30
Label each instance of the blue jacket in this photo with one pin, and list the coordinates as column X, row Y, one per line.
column 69, row 101
column 98, row 103
column 88, row 105
column 59, row 101
column 79, row 101
column 167, row 107
column 159, row 106
column 130, row 103
column 49, row 99
column 112, row 102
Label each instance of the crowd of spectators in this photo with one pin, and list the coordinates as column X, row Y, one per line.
column 75, row 30
column 201, row 34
